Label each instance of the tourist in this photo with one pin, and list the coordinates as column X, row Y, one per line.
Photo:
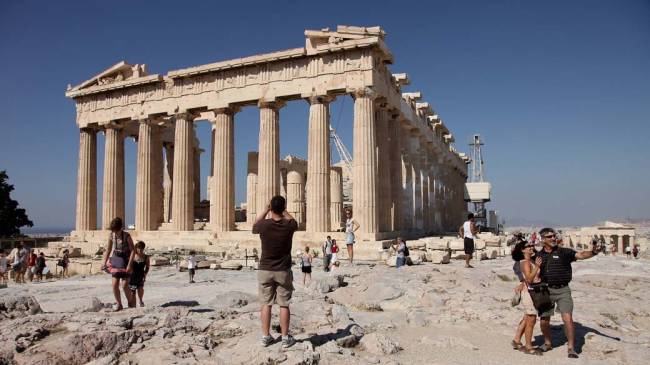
column 518, row 243
column 351, row 226
column 4, row 267
column 628, row 251
column 335, row 266
column 531, row 273
column 468, row 232
column 191, row 266
column 305, row 265
column 335, row 254
column 556, row 271
column 64, row 262
column 121, row 251
column 276, row 228
column 18, row 257
column 140, row 269
column 40, row 266
column 635, row 251
column 400, row 248
column 31, row 264
column 327, row 253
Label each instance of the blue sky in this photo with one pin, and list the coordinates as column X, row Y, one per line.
column 559, row 90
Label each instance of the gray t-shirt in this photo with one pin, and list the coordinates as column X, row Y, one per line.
column 400, row 250
column 328, row 247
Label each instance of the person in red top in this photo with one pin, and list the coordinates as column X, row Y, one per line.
column 31, row 264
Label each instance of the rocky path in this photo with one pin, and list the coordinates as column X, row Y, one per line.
column 366, row 314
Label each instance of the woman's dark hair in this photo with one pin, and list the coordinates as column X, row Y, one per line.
column 140, row 245
column 518, row 251
column 116, row 224
column 192, row 252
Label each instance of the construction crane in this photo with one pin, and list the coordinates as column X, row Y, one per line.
column 477, row 190
column 346, row 160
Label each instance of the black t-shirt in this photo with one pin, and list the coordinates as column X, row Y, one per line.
column 277, row 238
column 556, row 265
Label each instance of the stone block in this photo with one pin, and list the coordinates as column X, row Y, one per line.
column 437, row 244
column 456, row 244
column 231, row 265
column 215, row 266
column 438, row 257
column 391, row 261
column 158, row 261
column 205, row 264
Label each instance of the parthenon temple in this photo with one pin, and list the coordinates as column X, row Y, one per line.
column 407, row 177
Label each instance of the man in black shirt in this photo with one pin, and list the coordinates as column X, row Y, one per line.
column 276, row 227
column 556, row 271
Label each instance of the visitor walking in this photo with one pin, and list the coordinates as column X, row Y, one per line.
column 191, row 266
column 518, row 242
column 276, row 228
column 4, row 267
column 64, row 262
column 40, row 266
column 335, row 254
column 530, row 268
column 31, row 264
column 351, row 226
column 400, row 248
column 327, row 253
column 556, row 271
column 628, row 251
column 120, row 250
column 18, row 258
column 305, row 266
column 468, row 232
column 139, row 273
column 635, row 251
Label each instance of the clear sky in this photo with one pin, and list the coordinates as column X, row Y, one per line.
column 559, row 90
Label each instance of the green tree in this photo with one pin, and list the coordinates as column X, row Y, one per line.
column 11, row 217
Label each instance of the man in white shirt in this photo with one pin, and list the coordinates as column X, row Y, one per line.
column 468, row 232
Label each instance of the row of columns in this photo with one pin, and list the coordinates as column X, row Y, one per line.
column 408, row 197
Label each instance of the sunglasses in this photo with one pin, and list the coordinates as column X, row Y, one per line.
column 550, row 236
column 529, row 246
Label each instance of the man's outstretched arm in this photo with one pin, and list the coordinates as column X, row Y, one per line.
column 583, row 255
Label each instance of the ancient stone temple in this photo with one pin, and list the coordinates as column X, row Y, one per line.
column 407, row 177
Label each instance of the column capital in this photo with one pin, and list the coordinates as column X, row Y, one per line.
column 320, row 99
column 271, row 104
column 230, row 110
column 364, row 92
column 185, row 115
column 88, row 129
column 113, row 125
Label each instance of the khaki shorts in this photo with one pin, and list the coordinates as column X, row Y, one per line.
column 527, row 303
column 561, row 299
column 275, row 287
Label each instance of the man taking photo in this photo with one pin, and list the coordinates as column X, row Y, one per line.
column 556, row 271
column 275, row 227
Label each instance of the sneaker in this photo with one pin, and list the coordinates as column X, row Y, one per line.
column 288, row 341
column 267, row 340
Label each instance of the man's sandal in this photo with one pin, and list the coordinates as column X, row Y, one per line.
column 532, row 351
column 516, row 345
column 545, row 347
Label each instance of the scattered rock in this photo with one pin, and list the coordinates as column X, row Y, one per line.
column 379, row 344
column 231, row 265
column 158, row 261
column 438, row 257
column 16, row 306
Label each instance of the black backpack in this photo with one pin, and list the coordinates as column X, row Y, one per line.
column 406, row 250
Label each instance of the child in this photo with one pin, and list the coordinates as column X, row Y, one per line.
column 139, row 271
column 40, row 266
column 4, row 265
column 305, row 263
column 335, row 252
column 191, row 265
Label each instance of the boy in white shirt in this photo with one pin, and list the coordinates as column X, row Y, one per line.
column 191, row 265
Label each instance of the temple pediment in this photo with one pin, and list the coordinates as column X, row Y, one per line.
column 119, row 72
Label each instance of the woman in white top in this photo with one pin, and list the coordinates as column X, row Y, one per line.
column 351, row 226
column 531, row 272
column 305, row 266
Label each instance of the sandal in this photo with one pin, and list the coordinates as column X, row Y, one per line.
column 572, row 354
column 117, row 308
column 531, row 351
column 545, row 347
column 516, row 345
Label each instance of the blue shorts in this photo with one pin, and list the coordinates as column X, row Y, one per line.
column 349, row 238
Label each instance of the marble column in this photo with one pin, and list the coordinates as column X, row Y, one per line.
column 407, row 177
column 113, row 195
column 183, row 186
column 425, row 185
column 251, row 189
column 222, row 206
column 384, row 171
column 417, row 179
column 318, row 166
column 336, row 198
column 196, row 176
column 268, row 167
column 296, row 197
column 395, row 157
column 168, row 181
column 86, row 214
column 364, row 188
column 158, row 188
column 145, row 202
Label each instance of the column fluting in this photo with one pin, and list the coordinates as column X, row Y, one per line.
column 318, row 166
column 145, row 178
column 86, row 212
column 222, row 207
column 113, row 195
column 268, row 167
column 183, row 182
column 364, row 188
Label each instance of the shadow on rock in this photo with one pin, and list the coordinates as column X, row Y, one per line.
column 181, row 303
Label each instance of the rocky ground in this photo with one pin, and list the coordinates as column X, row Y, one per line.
column 365, row 314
